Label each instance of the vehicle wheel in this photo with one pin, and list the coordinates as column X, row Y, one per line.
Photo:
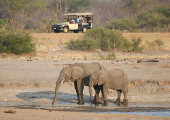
column 84, row 29
column 65, row 30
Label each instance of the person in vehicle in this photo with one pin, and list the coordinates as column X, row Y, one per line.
column 82, row 18
column 78, row 19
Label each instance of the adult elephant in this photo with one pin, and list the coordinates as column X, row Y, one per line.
column 79, row 74
column 113, row 79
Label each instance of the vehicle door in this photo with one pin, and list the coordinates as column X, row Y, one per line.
column 73, row 26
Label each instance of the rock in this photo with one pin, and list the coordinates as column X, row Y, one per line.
column 139, row 61
column 153, row 60
column 50, row 110
column 10, row 111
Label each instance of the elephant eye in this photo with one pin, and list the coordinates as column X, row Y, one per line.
column 66, row 74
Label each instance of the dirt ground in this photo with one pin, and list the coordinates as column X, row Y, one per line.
column 30, row 80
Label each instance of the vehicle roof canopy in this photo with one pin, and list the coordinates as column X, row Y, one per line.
column 85, row 13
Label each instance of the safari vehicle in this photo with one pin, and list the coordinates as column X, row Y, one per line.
column 70, row 23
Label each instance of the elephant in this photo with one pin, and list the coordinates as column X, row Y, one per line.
column 113, row 79
column 79, row 73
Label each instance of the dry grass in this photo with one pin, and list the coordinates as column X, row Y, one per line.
column 54, row 38
column 59, row 39
column 150, row 37
column 46, row 42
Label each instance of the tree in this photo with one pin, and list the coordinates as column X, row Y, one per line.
column 79, row 5
column 64, row 6
column 16, row 10
column 133, row 6
column 59, row 7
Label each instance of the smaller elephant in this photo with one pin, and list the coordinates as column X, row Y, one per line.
column 113, row 79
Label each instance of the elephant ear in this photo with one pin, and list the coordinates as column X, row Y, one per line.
column 102, row 78
column 77, row 73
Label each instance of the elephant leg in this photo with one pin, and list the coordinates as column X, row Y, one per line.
column 102, row 100
column 104, row 90
column 117, row 102
column 75, row 86
column 96, row 98
column 125, row 101
column 80, row 87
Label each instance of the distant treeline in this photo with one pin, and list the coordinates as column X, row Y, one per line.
column 131, row 15
column 156, row 20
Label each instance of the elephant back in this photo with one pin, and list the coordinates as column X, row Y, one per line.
column 89, row 68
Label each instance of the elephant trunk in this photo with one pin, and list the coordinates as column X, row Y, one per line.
column 56, row 91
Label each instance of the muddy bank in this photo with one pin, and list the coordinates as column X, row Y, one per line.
column 28, row 114
column 92, row 108
column 134, row 109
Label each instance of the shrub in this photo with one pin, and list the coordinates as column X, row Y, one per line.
column 111, row 56
column 107, row 56
column 158, row 17
column 135, row 45
column 85, row 44
column 122, row 24
column 156, row 44
column 98, row 38
column 16, row 43
column 101, row 56
column 159, row 43
column 2, row 23
column 105, row 39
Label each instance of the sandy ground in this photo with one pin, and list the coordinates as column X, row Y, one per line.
column 26, row 80
column 27, row 114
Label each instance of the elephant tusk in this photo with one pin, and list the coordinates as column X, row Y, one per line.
column 61, row 82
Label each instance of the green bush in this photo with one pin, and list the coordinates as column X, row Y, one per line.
column 159, row 43
column 151, row 18
column 122, row 24
column 156, row 44
column 85, row 44
column 135, row 45
column 105, row 39
column 16, row 43
column 2, row 23
column 107, row 56
column 98, row 38
column 158, row 17
column 111, row 56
